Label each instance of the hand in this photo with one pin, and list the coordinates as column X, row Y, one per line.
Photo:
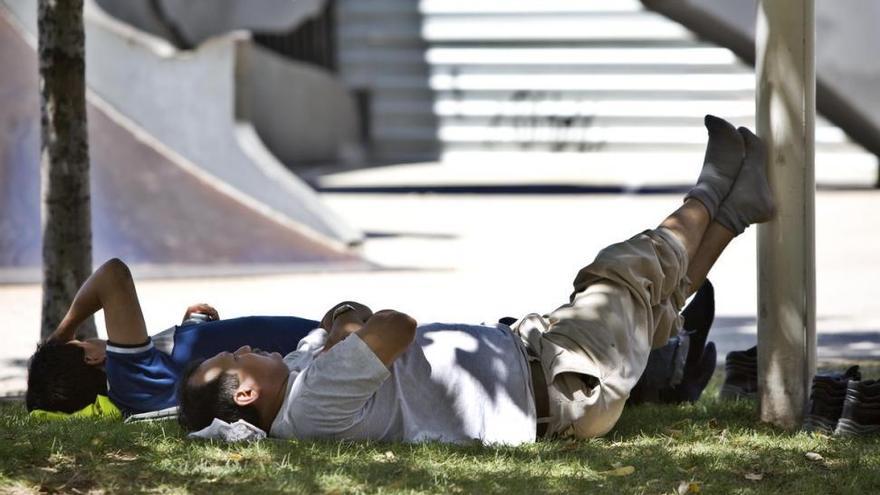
column 342, row 323
column 205, row 309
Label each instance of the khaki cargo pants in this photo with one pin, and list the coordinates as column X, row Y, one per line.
column 593, row 349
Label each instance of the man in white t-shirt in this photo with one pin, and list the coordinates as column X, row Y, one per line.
column 380, row 376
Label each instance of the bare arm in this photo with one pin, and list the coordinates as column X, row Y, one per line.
column 388, row 334
column 110, row 288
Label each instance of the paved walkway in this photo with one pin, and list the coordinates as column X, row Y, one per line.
column 475, row 258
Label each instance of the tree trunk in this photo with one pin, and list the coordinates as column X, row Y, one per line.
column 64, row 160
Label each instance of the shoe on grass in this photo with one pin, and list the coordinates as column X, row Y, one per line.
column 861, row 409
column 740, row 375
column 827, row 395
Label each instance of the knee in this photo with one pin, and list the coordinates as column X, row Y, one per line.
column 116, row 271
column 597, row 420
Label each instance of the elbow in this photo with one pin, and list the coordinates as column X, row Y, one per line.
column 399, row 327
column 406, row 326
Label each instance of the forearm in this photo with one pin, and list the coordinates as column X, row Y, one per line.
column 340, row 331
column 90, row 298
column 388, row 334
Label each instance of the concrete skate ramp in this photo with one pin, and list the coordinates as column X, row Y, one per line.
column 149, row 205
column 189, row 102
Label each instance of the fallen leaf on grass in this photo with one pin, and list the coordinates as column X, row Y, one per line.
column 121, row 456
column 620, row 471
column 754, row 476
column 686, row 487
column 814, row 456
column 387, row 456
column 235, row 456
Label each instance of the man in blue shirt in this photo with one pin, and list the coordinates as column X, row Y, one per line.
column 138, row 373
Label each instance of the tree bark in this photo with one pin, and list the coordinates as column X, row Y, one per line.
column 64, row 160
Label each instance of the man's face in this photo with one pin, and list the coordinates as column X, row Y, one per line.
column 256, row 370
column 94, row 350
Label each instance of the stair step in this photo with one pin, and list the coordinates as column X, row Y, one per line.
column 589, row 56
column 536, row 27
column 549, row 133
column 574, row 70
column 733, row 109
column 463, row 81
column 676, row 96
column 457, row 7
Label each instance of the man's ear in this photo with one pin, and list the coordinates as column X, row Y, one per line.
column 245, row 396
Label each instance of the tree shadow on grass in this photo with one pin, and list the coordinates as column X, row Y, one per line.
column 716, row 444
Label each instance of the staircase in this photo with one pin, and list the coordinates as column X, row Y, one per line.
column 593, row 90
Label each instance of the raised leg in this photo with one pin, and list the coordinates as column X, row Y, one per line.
column 689, row 224
column 715, row 240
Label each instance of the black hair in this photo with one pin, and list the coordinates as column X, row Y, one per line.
column 199, row 405
column 60, row 380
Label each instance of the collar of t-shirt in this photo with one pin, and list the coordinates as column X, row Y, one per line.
column 308, row 348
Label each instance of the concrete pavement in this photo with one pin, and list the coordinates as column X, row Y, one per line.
column 476, row 258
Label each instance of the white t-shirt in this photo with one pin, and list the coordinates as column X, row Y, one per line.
column 455, row 383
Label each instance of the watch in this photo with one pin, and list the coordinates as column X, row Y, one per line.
column 345, row 308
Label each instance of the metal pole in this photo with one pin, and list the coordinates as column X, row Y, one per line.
column 786, row 110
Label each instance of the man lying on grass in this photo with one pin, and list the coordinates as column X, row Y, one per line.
column 380, row 376
column 138, row 373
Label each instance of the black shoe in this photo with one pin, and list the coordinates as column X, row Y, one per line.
column 679, row 371
column 740, row 375
column 663, row 371
column 697, row 377
column 861, row 409
column 698, row 317
column 827, row 395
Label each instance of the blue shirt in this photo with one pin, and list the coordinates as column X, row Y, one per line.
column 143, row 378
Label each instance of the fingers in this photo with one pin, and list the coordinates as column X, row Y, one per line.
column 202, row 308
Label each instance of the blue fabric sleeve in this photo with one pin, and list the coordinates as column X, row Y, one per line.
column 140, row 379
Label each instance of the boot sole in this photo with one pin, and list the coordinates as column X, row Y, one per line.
column 849, row 428
column 733, row 392
column 819, row 424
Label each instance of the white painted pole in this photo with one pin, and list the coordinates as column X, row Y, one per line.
column 786, row 110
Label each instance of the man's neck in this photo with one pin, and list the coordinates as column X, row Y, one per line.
column 270, row 408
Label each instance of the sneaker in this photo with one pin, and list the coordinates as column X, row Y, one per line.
column 861, row 409
column 740, row 375
column 827, row 395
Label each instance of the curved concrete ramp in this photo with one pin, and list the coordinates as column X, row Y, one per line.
column 149, row 205
column 189, row 102
column 193, row 21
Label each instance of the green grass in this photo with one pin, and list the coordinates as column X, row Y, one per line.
column 713, row 444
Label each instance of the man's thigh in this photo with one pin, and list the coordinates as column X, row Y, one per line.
column 595, row 348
